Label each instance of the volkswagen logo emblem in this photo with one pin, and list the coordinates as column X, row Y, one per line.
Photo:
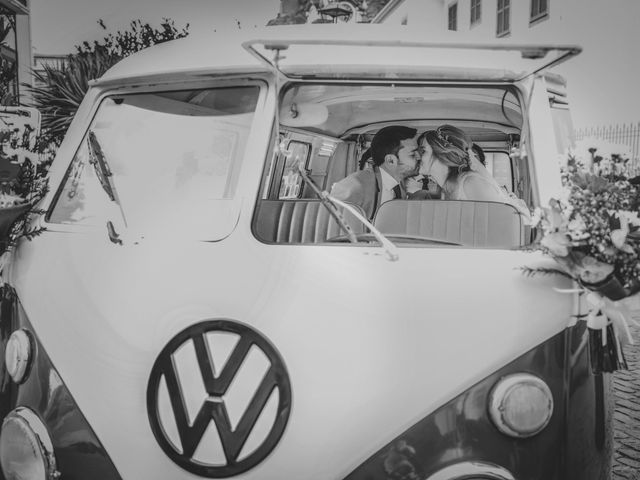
column 218, row 398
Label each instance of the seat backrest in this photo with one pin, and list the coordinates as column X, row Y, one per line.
column 343, row 162
column 469, row 223
column 300, row 221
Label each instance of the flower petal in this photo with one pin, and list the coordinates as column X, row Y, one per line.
column 556, row 243
column 618, row 238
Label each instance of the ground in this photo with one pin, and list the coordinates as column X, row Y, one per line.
column 626, row 462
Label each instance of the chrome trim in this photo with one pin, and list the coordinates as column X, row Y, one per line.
column 502, row 389
column 466, row 470
column 39, row 429
column 23, row 349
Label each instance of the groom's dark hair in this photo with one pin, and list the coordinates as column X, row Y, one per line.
column 387, row 140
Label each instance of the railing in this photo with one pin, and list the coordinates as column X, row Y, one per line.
column 626, row 134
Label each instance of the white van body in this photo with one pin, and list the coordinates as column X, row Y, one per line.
column 369, row 347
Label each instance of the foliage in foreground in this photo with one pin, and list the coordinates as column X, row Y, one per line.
column 8, row 69
column 62, row 86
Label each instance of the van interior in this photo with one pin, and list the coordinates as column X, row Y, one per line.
column 326, row 127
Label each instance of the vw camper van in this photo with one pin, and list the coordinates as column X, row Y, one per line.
column 201, row 306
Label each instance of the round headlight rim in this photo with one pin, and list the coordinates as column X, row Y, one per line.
column 501, row 390
column 32, row 421
column 25, row 339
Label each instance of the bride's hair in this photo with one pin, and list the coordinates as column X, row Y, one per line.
column 451, row 146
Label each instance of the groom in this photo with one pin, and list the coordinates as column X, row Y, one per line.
column 396, row 156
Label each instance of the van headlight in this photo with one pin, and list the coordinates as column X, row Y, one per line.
column 26, row 450
column 18, row 354
column 521, row 405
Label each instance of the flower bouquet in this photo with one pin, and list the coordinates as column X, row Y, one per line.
column 593, row 233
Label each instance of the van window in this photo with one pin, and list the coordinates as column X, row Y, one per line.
column 289, row 211
column 155, row 157
column 297, row 153
column 499, row 165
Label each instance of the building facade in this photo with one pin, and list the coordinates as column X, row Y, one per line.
column 346, row 11
column 15, row 50
column 521, row 20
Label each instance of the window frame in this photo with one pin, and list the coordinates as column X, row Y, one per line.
column 503, row 12
column 475, row 14
column 309, row 148
column 537, row 14
column 452, row 19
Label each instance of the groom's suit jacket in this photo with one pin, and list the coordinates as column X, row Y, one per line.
column 361, row 188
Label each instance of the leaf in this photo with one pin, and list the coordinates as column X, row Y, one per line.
column 63, row 86
column 531, row 272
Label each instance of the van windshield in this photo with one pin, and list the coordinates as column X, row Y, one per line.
column 155, row 158
column 427, row 164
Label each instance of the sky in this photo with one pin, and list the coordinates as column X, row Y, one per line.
column 58, row 25
column 602, row 81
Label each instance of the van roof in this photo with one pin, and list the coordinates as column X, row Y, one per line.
column 338, row 51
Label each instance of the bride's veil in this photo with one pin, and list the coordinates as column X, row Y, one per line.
column 476, row 166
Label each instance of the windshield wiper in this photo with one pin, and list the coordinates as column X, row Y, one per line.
column 99, row 163
column 402, row 238
column 332, row 204
column 101, row 167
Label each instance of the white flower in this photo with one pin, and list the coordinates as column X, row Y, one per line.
column 619, row 239
column 578, row 228
column 619, row 236
column 564, row 197
column 556, row 243
column 594, row 271
column 537, row 216
column 628, row 218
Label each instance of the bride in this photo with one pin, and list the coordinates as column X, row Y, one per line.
column 448, row 159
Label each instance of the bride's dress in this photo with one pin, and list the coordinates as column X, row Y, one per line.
column 479, row 184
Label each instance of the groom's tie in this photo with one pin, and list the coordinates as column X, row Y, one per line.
column 399, row 192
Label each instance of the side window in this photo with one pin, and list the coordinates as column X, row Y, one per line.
column 499, row 164
column 291, row 180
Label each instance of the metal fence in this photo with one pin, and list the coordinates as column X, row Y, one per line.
column 626, row 134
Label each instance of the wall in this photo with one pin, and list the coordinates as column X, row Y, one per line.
column 551, row 28
column 415, row 13
column 433, row 16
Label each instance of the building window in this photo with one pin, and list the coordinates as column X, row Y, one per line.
column 539, row 10
column 8, row 58
column 503, row 17
column 476, row 12
column 453, row 16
